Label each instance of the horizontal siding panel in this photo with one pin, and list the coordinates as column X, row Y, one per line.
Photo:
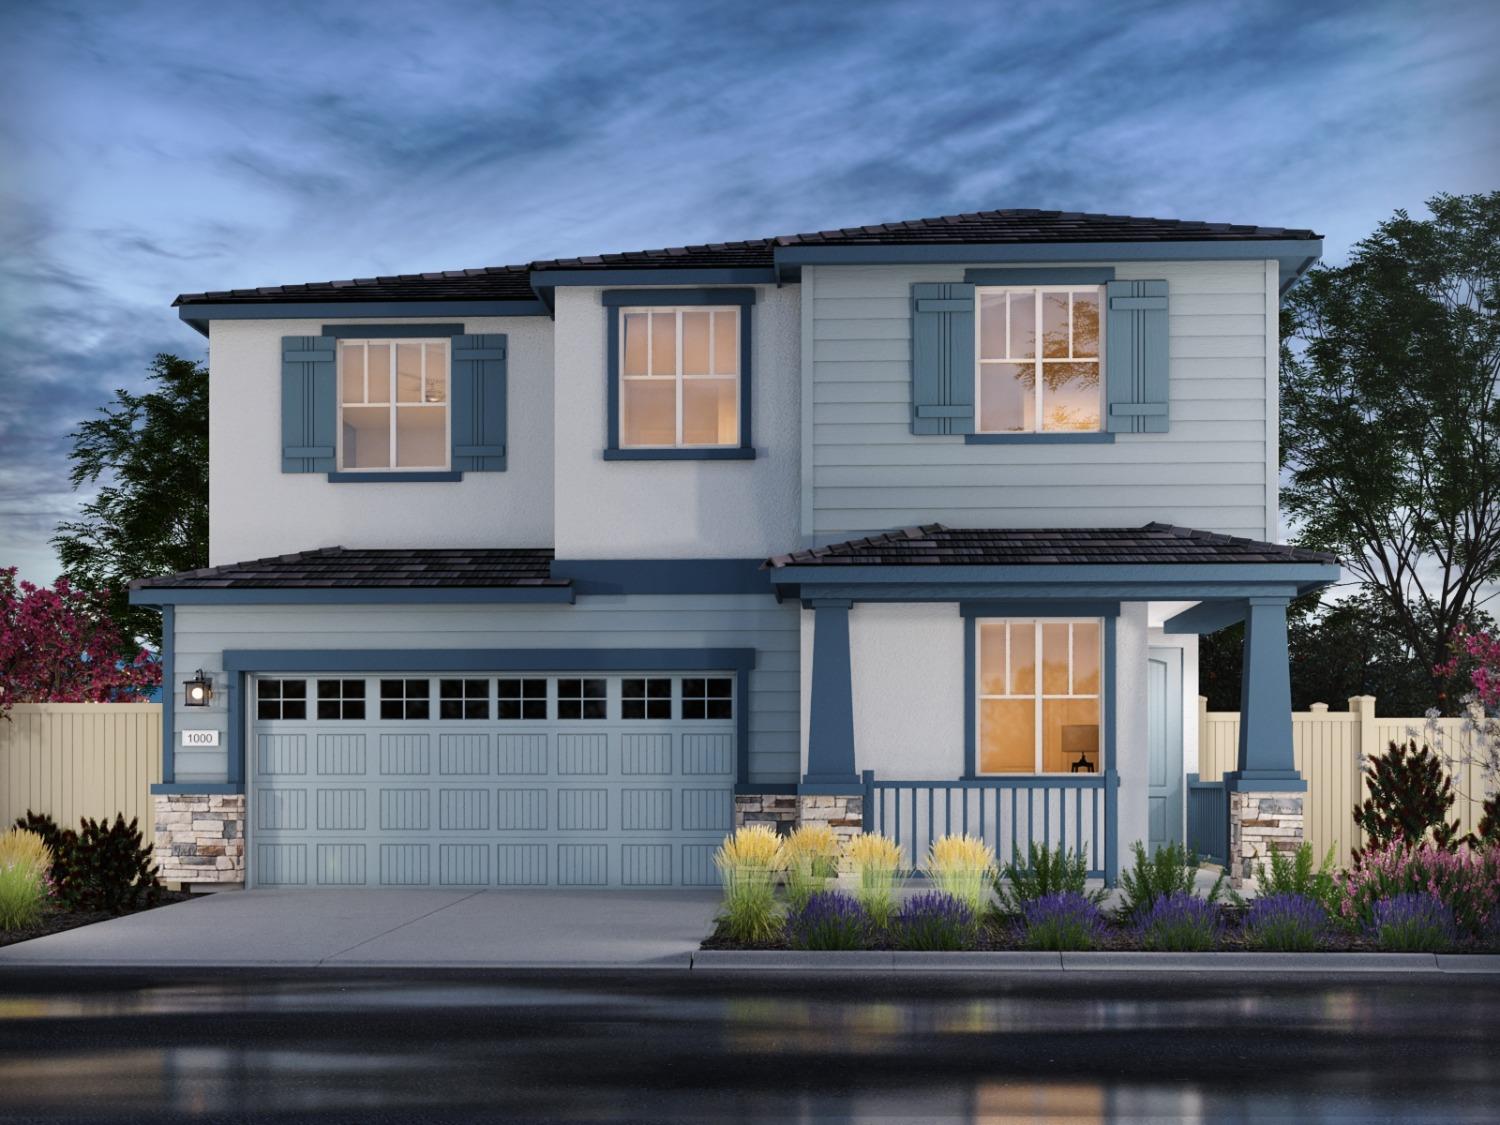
column 860, row 521
column 861, row 351
column 1219, row 304
column 861, row 308
column 885, row 329
column 896, row 433
column 953, row 451
column 851, row 371
column 1214, row 347
column 1025, row 476
column 1242, row 325
column 1053, row 498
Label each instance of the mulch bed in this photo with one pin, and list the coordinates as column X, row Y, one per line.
column 55, row 920
column 997, row 936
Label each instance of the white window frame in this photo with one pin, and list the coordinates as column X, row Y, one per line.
column 679, row 377
column 447, row 403
column 1037, row 695
column 1039, row 415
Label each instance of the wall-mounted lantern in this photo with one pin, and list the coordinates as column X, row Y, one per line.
column 198, row 691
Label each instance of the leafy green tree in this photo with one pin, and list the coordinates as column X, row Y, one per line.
column 1390, row 429
column 149, row 455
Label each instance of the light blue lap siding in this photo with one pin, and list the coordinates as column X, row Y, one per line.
column 631, row 621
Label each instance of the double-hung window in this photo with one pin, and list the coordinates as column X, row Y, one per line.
column 1039, row 364
column 393, row 405
column 679, row 378
column 1037, row 696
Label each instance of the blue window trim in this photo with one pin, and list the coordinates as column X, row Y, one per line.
column 1040, row 612
column 240, row 663
column 440, row 476
column 168, row 693
column 1032, row 275
column 390, row 331
column 1091, row 438
column 745, row 300
column 207, row 788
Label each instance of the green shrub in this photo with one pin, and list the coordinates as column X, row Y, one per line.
column 1295, row 876
column 1046, row 873
column 23, row 892
column 1170, row 871
column 1410, row 794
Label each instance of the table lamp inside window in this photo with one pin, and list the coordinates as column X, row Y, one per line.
column 1082, row 740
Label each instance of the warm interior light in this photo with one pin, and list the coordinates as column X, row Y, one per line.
column 198, row 691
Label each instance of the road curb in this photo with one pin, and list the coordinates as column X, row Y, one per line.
column 722, row 960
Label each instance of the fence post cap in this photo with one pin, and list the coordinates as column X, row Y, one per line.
column 1318, row 708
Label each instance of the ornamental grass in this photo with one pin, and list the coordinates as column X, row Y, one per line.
column 878, row 868
column 811, row 856
column 19, row 846
column 24, row 863
column 748, row 863
column 961, row 866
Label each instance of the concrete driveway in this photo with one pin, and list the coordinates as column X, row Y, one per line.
column 408, row 929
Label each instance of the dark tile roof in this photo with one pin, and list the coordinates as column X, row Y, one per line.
column 341, row 567
column 1011, row 226
column 936, row 545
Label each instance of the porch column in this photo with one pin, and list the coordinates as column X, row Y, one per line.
column 830, row 725
column 1265, row 791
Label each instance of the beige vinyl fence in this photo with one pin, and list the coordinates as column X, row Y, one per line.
column 72, row 760
column 1330, row 747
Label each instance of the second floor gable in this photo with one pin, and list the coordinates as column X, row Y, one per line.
column 1006, row 369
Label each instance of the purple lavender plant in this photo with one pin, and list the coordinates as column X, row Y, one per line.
column 1285, row 923
column 828, row 920
column 934, row 921
column 1062, row 920
column 1180, row 923
column 1413, row 923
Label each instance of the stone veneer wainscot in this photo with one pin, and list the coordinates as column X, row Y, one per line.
column 200, row 838
column 784, row 812
column 1259, row 824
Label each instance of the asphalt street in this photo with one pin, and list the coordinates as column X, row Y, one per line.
column 593, row 1046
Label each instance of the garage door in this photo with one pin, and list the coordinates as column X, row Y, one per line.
column 506, row 780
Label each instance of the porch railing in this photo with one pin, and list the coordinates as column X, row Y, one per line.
column 1076, row 812
column 1207, row 819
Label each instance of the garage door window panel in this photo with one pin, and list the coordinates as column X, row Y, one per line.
column 646, row 698
column 463, row 699
column 405, row 699
column 521, row 699
column 341, row 699
column 709, row 697
column 582, row 698
column 281, row 699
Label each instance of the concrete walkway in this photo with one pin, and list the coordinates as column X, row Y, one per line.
column 407, row 929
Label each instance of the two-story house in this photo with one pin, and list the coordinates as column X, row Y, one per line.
column 560, row 569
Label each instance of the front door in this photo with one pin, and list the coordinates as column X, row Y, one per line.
column 1164, row 736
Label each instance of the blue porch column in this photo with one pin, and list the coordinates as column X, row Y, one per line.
column 1266, row 763
column 830, row 725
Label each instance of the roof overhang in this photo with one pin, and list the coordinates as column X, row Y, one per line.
column 1295, row 256
column 353, row 595
column 199, row 315
column 1196, row 582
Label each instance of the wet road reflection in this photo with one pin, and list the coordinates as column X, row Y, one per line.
column 673, row 1046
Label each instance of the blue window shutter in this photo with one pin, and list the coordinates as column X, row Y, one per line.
column 479, row 403
column 309, row 404
column 1136, row 366
column 942, row 358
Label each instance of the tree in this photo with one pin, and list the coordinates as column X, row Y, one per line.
column 60, row 645
column 1391, row 422
column 151, row 514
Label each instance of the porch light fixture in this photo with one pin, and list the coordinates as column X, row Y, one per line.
column 197, row 691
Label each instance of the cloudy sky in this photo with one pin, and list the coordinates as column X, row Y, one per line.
column 151, row 149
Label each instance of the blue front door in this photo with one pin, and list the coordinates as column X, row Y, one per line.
column 1164, row 738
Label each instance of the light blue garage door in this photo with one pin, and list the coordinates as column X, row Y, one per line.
column 505, row 780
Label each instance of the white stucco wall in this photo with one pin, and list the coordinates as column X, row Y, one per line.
column 1131, row 750
column 256, row 510
column 675, row 509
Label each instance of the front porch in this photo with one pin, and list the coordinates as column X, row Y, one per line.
column 1035, row 687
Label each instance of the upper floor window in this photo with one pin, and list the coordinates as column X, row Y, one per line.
column 393, row 405
column 679, row 378
column 1039, row 360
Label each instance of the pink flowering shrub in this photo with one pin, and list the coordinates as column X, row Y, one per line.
column 59, row 644
column 1466, row 880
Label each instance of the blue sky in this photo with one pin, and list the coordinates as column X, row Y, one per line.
column 152, row 149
